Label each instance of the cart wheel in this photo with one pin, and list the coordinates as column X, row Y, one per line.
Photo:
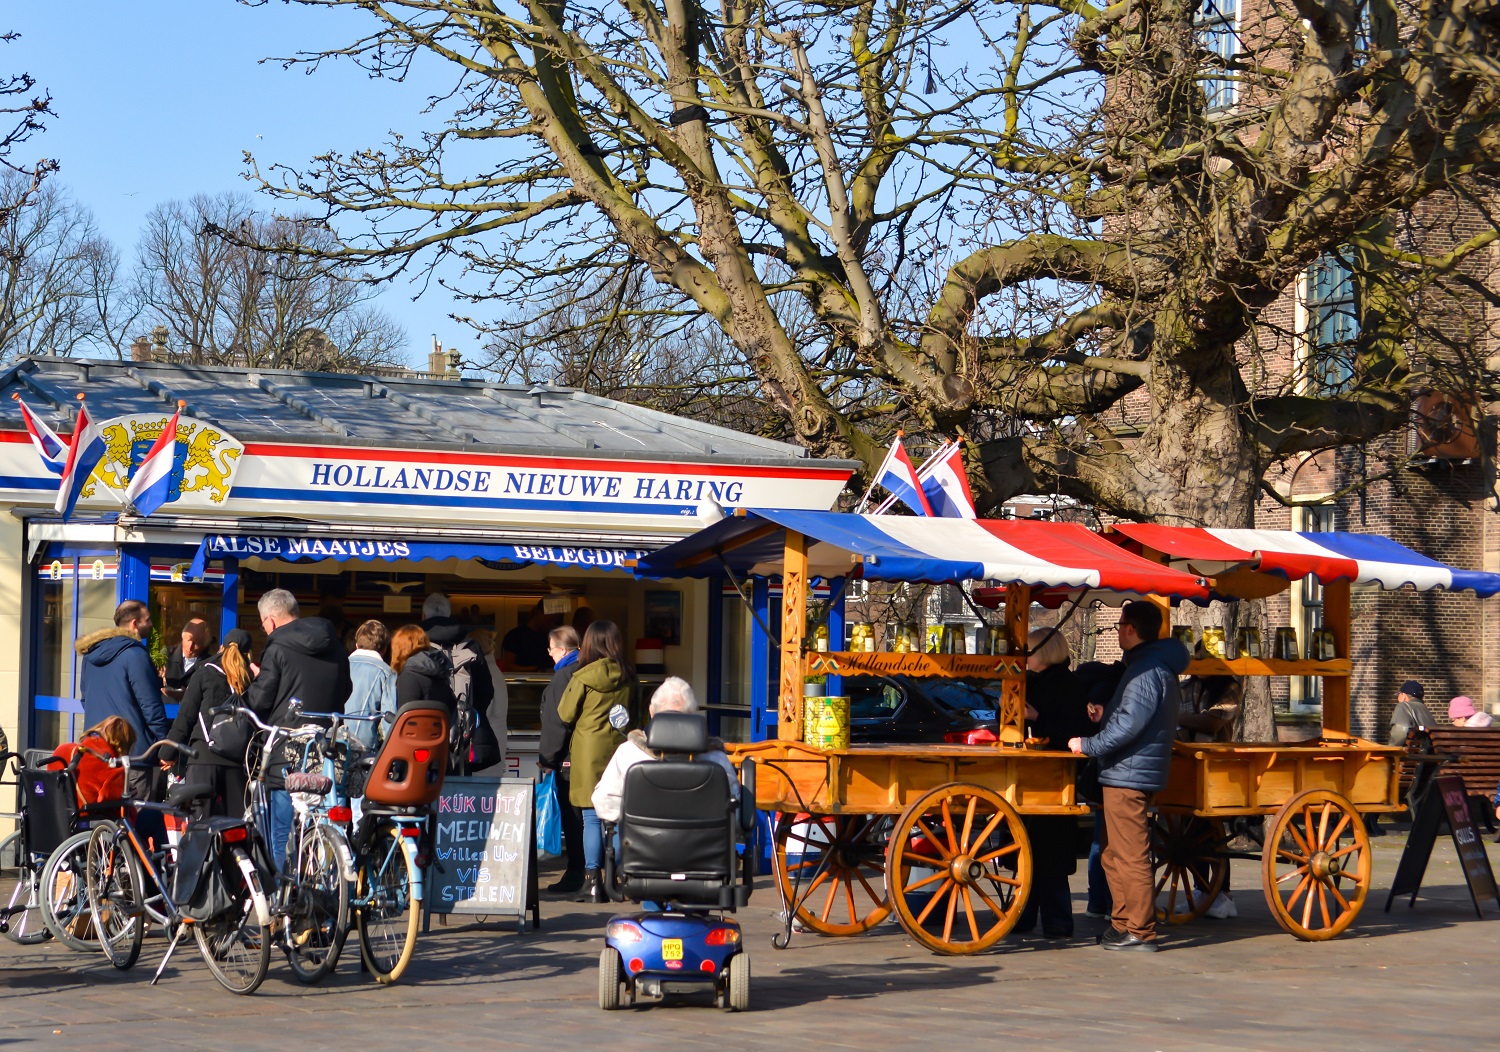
column 739, row 983
column 609, row 979
column 1190, row 869
column 959, row 868
column 838, row 861
column 1316, row 865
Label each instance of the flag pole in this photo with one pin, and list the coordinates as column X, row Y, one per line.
column 876, row 476
column 921, row 471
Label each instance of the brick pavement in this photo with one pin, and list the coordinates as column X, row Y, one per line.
column 1410, row 979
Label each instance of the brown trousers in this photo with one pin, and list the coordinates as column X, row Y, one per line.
column 1126, row 857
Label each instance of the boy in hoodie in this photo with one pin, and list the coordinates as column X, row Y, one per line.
column 303, row 659
column 1134, row 748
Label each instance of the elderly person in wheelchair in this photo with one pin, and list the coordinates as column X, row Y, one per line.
column 680, row 812
column 674, row 695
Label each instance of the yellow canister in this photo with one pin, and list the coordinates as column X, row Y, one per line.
column 812, row 715
column 833, row 724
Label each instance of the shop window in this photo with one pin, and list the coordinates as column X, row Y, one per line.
column 1216, row 34
column 1332, row 325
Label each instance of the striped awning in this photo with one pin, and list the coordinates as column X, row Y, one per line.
column 1357, row 557
column 1055, row 556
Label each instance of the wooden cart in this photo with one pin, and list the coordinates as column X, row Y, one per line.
column 931, row 833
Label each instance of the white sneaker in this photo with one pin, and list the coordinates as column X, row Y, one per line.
column 1222, row 908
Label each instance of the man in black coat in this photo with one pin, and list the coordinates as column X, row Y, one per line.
column 303, row 660
column 552, row 752
column 183, row 661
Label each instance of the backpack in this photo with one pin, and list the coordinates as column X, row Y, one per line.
column 482, row 749
column 226, row 732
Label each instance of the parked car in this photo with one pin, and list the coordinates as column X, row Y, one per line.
column 903, row 709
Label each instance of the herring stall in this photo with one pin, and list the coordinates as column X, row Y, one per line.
column 362, row 495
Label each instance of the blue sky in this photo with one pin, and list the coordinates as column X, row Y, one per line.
column 157, row 100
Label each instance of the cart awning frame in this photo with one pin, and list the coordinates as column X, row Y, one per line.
column 1362, row 559
column 1057, row 560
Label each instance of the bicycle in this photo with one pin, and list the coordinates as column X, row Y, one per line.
column 210, row 883
column 312, row 901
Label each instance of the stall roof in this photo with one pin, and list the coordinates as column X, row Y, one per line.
column 1057, row 556
column 290, row 406
column 1357, row 557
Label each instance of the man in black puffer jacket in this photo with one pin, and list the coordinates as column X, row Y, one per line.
column 303, row 659
column 1134, row 747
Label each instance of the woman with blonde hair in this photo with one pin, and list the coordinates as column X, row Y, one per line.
column 222, row 679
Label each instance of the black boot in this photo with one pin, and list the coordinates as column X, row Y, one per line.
column 593, row 888
column 571, row 881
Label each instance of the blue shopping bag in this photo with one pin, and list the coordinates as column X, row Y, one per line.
column 548, row 816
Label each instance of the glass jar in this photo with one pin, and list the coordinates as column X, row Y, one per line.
column 1286, row 644
column 955, row 638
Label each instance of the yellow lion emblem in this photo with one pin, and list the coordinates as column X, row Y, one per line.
column 216, row 470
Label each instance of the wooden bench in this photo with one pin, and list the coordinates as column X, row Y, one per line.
column 1474, row 757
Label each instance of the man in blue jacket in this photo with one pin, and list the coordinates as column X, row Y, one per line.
column 120, row 680
column 1134, row 749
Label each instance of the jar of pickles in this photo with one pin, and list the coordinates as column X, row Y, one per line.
column 983, row 641
column 1213, row 643
column 861, row 638
column 955, row 638
column 902, row 637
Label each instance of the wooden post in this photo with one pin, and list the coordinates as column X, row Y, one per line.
column 793, row 624
column 1336, row 688
column 1013, row 688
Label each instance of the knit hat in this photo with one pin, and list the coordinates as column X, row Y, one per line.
column 1461, row 707
column 239, row 637
column 1412, row 689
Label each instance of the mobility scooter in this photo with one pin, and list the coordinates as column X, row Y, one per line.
column 679, row 832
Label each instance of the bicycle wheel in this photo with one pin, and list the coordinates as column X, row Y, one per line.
column 235, row 945
column 317, row 914
column 387, row 915
column 65, row 900
column 113, row 877
column 27, row 926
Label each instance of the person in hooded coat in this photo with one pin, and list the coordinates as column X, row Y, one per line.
column 119, row 679
column 452, row 637
column 604, row 680
column 421, row 669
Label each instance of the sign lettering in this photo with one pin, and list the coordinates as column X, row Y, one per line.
column 484, row 848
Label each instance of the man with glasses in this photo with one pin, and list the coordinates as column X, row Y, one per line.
column 1134, row 749
column 552, row 752
column 304, row 660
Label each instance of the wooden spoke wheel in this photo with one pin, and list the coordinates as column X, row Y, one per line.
column 958, row 868
column 1316, row 865
column 1187, row 860
column 835, row 865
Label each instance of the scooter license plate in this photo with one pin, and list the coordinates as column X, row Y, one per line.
column 671, row 949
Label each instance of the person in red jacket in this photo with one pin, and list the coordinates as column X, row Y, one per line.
column 95, row 779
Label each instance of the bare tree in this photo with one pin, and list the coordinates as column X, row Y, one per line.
column 23, row 110
column 232, row 285
column 51, row 258
column 1037, row 224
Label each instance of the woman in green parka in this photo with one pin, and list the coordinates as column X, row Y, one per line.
column 603, row 681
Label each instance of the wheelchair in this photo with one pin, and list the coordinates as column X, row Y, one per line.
column 679, row 831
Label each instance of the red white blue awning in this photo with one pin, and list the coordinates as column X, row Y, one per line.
column 1357, row 557
column 1063, row 557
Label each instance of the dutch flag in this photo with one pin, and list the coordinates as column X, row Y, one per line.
column 946, row 484
column 84, row 451
column 152, row 480
column 899, row 477
column 52, row 450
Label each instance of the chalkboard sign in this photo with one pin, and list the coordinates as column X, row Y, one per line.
column 1446, row 797
column 484, row 849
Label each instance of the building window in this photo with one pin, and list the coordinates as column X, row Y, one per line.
column 1216, row 22
column 1332, row 325
column 1317, row 519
